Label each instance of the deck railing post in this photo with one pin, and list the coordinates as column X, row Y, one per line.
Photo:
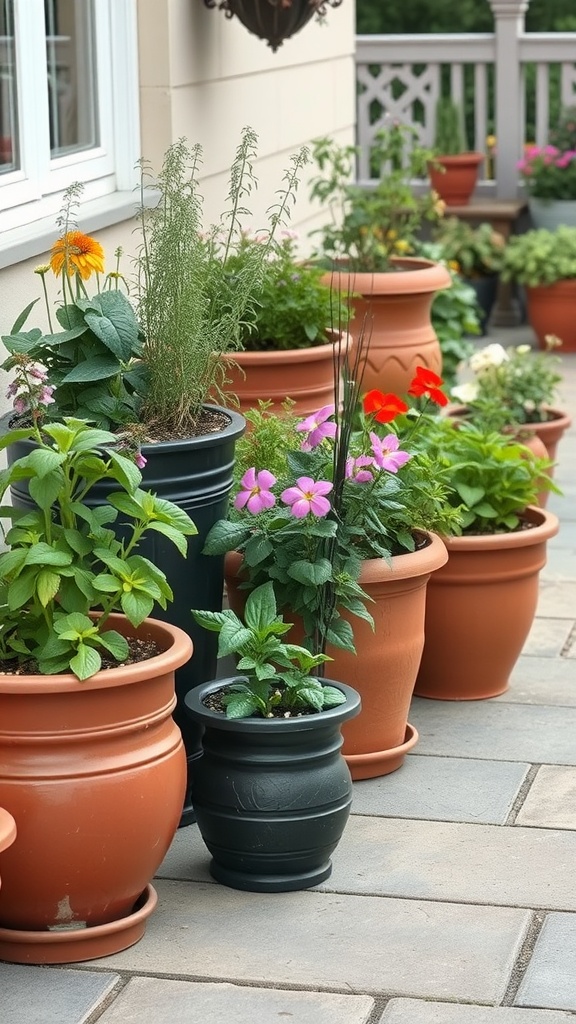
column 508, row 28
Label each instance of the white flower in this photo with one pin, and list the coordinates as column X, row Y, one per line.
column 465, row 392
column 523, row 350
column 529, row 405
column 490, row 355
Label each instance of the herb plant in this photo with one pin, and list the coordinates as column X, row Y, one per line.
column 276, row 676
column 63, row 561
column 473, row 251
column 448, row 128
column 541, row 257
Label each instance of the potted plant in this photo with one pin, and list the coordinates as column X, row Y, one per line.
column 272, row 792
column 339, row 519
column 514, row 389
column 544, row 262
column 274, row 20
column 549, row 175
column 476, row 254
column 454, row 169
column 92, row 765
column 153, row 375
column 481, row 603
column 287, row 337
column 367, row 245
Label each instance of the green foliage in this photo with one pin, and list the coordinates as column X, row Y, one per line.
column 448, row 128
column 191, row 309
column 469, row 16
column 511, row 386
column 93, row 364
column 268, row 440
column 455, row 314
column 295, row 308
column 64, row 561
column 476, row 251
column 275, row 675
column 563, row 136
column 369, row 226
column 541, row 257
column 492, row 478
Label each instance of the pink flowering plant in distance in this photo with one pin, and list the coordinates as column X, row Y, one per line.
column 549, row 172
column 317, row 497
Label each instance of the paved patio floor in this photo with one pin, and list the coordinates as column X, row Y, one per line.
column 453, row 894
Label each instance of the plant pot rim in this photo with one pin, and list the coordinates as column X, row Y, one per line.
column 253, row 724
column 426, row 559
column 566, row 284
column 309, row 354
column 413, row 276
column 557, row 417
column 458, row 159
column 178, row 651
column 546, row 525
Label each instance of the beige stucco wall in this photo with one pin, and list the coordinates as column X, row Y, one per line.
column 205, row 77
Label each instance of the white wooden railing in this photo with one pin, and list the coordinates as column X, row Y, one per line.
column 402, row 76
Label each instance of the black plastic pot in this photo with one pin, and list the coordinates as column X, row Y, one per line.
column 197, row 475
column 271, row 795
column 486, row 289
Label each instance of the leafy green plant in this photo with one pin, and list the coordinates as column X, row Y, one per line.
column 563, row 136
column 541, row 257
column 491, row 477
column 448, row 128
column 368, row 227
column 548, row 172
column 277, row 677
column 64, row 562
column 511, row 386
column 472, row 251
column 191, row 309
column 295, row 307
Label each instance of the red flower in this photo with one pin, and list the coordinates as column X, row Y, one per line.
column 428, row 383
column 383, row 407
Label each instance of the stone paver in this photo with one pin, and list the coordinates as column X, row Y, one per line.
column 443, row 789
column 547, row 637
column 549, row 681
column 464, row 863
column 498, row 731
column 551, row 976
column 153, row 1001
column 414, row 1011
column 34, row 995
column 557, row 600
column 551, row 801
column 329, row 941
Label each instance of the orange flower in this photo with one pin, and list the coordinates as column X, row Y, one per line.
column 428, row 383
column 384, row 408
column 77, row 253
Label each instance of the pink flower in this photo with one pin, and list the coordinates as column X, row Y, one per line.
column 356, row 472
column 12, row 389
column 45, row 396
column 38, row 373
column 386, row 454
column 20, row 405
column 140, row 460
column 317, row 427
column 307, row 496
column 256, row 495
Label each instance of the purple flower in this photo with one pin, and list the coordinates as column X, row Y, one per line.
column 386, row 454
column 20, row 405
column 12, row 389
column 256, row 495
column 356, row 472
column 45, row 396
column 317, row 427
column 140, row 460
column 307, row 496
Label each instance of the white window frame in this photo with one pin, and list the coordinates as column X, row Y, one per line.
column 35, row 190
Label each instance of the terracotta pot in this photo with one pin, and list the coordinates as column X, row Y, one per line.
column 7, row 831
column 395, row 309
column 480, row 608
column 305, row 374
column 552, row 310
column 456, row 183
column 94, row 773
column 385, row 667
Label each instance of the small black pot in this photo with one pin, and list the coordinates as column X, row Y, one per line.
column 271, row 795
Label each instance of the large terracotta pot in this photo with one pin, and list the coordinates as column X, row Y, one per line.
column 306, row 375
column 395, row 309
column 384, row 669
column 455, row 179
column 7, row 831
column 94, row 773
column 479, row 610
column 552, row 310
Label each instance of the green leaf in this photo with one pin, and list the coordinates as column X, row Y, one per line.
column 43, row 461
column 86, row 662
column 116, row 326
column 11, row 561
column 233, row 637
column 168, row 512
column 45, row 554
column 106, row 583
column 126, row 471
column 45, row 492
column 469, row 495
column 332, row 697
column 115, row 643
column 23, row 316
column 172, row 534
column 136, row 606
column 225, row 536
column 311, row 573
column 214, row 621
column 47, row 586
column 313, row 696
column 77, row 541
column 257, row 549
column 96, row 368
column 340, row 635
column 241, row 705
column 75, row 623
column 260, row 608
column 21, row 589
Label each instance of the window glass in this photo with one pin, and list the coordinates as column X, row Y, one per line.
column 9, row 159
column 71, row 64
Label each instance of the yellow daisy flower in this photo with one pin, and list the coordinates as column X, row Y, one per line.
column 77, row 253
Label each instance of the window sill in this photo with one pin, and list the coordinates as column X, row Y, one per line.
column 29, row 240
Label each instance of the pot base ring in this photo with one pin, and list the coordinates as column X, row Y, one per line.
column 381, row 762
column 77, row 944
column 269, row 883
